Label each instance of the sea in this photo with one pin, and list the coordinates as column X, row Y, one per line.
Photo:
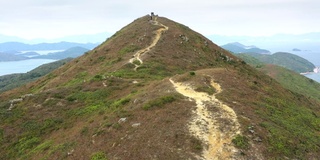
column 314, row 76
column 23, row 66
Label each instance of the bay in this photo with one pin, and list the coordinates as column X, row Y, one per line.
column 21, row 66
column 314, row 76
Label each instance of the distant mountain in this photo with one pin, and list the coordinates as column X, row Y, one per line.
column 286, row 60
column 237, row 47
column 5, row 38
column 296, row 50
column 30, row 54
column 275, row 43
column 11, row 57
column 69, row 53
column 11, row 81
column 17, row 46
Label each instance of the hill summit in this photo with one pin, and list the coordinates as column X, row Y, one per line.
column 157, row 90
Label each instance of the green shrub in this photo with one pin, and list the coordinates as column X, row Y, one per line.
column 206, row 89
column 128, row 49
column 98, row 77
column 1, row 135
column 26, row 143
column 241, row 142
column 159, row 102
column 98, row 156
column 137, row 62
column 120, row 102
column 192, row 73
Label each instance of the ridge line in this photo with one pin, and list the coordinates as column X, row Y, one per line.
column 139, row 53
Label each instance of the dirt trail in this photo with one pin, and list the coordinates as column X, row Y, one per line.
column 215, row 129
column 138, row 54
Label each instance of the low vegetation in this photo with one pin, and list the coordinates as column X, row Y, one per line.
column 241, row 142
column 99, row 107
column 159, row 102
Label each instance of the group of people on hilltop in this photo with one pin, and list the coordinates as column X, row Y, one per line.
column 153, row 16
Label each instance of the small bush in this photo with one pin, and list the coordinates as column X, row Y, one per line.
column 137, row 62
column 98, row 77
column 84, row 131
column 192, row 73
column 128, row 49
column 159, row 102
column 98, row 156
column 209, row 90
column 1, row 135
column 241, row 142
column 120, row 102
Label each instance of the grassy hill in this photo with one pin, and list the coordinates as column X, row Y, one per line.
column 286, row 60
column 157, row 90
column 9, row 82
column 287, row 78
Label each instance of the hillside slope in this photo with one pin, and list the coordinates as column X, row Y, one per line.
column 286, row 60
column 157, row 90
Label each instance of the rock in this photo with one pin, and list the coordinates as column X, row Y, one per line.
column 257, row 139
column 136, row 124
column 121, row 120
column 71, row 152
column 251, row 129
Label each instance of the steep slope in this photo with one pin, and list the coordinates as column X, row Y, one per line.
column 157, row 90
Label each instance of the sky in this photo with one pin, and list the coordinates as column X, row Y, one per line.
column 31, row 19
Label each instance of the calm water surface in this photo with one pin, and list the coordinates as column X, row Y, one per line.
column 21, row 66
column 314, row 76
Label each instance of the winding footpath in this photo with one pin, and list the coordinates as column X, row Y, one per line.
column 215, row 129
column 138, row 54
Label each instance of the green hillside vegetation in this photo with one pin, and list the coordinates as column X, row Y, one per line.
column 8, row 82
column 286, row 60
column 254, row 62
column 287, row 78
column 119, row 101
column 293, row 81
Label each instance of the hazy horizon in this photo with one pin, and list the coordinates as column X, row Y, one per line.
column 37, row 19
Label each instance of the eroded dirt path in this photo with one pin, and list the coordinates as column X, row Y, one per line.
column 215, row 129
column 138, row 54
